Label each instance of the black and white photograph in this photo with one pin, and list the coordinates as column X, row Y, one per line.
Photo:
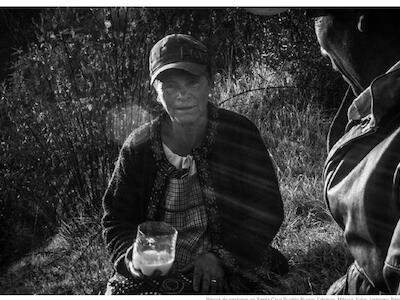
column 200, row 150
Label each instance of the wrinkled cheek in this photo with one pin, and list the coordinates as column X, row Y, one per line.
column 319, row 31
column 334, row 64
column 205, row 101
column 167, row 103
column 325, row 32
column 323, row 40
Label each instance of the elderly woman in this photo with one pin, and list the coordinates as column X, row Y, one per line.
column 203, row 170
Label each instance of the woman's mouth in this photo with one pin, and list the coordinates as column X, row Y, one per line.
column 185, row 107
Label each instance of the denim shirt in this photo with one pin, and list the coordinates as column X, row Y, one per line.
column 362, row 174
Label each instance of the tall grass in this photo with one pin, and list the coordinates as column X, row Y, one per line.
column 67, row 106
column 293, row 125
column 75, row 95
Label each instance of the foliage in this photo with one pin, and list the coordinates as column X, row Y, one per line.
column 294, row 129
column 83, row 86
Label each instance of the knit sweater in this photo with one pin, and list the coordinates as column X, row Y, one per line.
column 237, row 178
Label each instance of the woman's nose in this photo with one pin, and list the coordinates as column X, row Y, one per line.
column 181, row 93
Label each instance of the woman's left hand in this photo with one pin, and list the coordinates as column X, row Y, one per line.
column 208, row 274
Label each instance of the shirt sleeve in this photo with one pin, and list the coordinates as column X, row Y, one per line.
column 262, row 204
column 254, row 208
column 391, row 269
column 121, row 213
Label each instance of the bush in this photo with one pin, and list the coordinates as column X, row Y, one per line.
column 78, row 91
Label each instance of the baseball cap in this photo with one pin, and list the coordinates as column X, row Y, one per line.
column 178, row 51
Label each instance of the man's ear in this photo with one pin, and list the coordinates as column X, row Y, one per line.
column 362, row 23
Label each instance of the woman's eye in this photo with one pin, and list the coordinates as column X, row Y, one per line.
column 169, row 86
column 193, row 82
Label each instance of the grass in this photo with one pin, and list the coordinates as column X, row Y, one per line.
column 74, row 261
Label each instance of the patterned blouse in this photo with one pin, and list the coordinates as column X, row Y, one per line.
column 185, row 210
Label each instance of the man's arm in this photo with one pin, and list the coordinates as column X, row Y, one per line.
column 391, row 269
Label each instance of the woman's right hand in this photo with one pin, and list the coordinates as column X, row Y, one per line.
column 134, row 272
column 137, row 273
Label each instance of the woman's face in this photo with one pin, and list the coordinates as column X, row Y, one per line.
column 183, row 95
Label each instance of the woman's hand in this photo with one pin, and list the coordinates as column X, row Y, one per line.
column 208, row 274
column 137, row 273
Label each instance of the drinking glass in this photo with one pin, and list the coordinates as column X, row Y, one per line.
column 154, row 247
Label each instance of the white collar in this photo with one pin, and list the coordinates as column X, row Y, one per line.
column 180, row 162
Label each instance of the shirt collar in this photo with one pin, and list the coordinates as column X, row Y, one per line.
column 378, row 98
column 395, row 67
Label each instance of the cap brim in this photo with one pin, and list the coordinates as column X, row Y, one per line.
column 266, row 11
column 192, row 68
